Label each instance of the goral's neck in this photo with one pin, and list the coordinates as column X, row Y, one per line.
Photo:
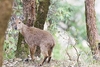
column 23, row 29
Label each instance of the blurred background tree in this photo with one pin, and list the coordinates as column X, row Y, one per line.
column 92, row 32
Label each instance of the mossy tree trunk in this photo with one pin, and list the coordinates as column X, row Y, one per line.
column 22, row 48
column 5, row 13
column 92, row 32
column 42, row 11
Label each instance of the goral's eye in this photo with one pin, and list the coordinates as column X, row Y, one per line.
column 19, row 22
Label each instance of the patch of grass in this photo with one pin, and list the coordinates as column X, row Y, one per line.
column 58, row 52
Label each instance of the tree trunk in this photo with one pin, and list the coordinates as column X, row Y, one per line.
column 5, row 13
column 41, row 17
column 92, row 32
column 22, row 48
column 29, row 11
column 42, row 13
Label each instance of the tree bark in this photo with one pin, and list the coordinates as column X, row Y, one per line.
column 92, row 32
column 5, row 13
column 29, row 11
column 42, row 13
column 22, row 48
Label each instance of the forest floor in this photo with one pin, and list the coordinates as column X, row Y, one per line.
column 70, row 59
column 53, row 63
column 35, row 64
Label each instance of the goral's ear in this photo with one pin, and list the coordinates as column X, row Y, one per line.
column 13, row 17
column 22, row 18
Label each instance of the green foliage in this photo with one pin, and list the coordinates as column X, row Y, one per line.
column 77, row 24
column 59, row 11
column 57, row 55
column 58, row 52
column 18, row 7
column 9, row 45
column 72, row 16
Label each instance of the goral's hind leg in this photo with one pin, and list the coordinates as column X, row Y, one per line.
column 49, row 58
column 43, row 60
column 44, row 53
column 49, row 55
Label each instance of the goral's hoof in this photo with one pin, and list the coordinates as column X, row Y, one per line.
column 40, row 64
column 26, row 60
